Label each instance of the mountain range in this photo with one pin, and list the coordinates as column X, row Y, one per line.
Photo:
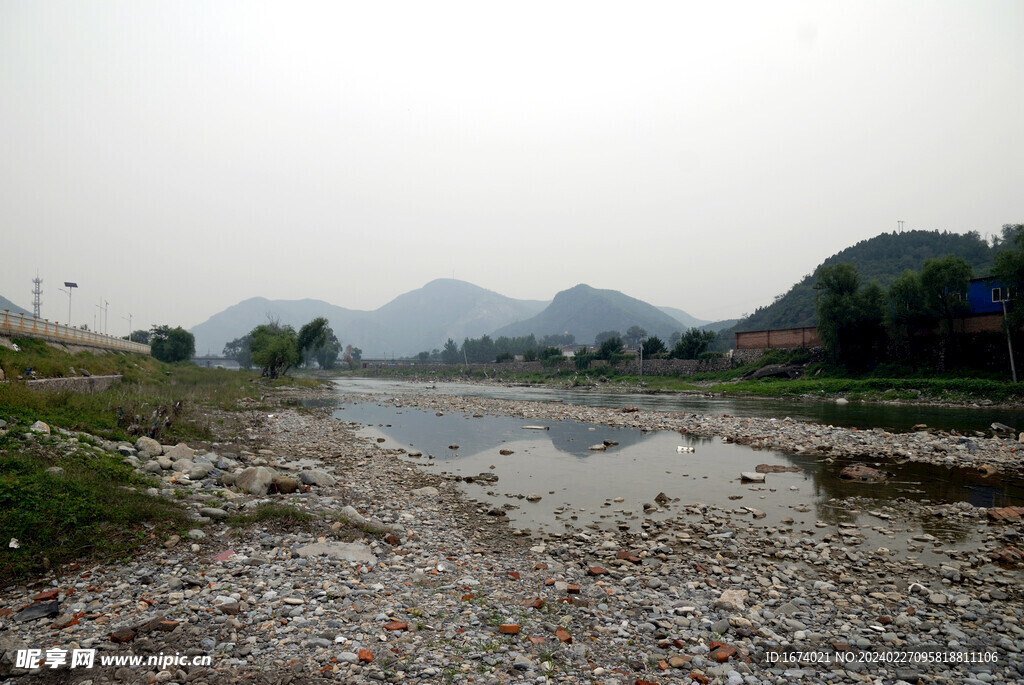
column 425, row 318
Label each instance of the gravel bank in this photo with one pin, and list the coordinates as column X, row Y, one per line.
column 398, row 578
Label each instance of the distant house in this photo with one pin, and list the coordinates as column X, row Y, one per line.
column 986, row 295
column 985, row 298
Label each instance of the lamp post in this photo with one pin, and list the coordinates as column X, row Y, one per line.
column 69, row 286
column 129, row 320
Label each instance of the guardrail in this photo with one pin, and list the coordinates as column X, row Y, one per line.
column 30, row 326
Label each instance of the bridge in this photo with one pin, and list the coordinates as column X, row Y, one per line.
column 28, row 326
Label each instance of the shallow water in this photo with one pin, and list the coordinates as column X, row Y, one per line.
column 578, row 486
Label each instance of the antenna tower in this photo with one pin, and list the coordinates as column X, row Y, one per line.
column 37, row 292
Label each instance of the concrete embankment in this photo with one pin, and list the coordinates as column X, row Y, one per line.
column 82, row 384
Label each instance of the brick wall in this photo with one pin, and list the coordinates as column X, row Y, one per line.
column 780, row 338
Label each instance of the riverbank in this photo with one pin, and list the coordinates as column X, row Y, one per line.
column 415, row 583
column 929, row 391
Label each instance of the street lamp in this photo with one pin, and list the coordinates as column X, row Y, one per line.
column 129, row 320
column 69, row 286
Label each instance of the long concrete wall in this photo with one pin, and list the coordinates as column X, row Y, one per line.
column 31, row 327
column 89, row 385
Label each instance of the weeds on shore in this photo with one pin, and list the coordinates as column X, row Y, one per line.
column 94, row 507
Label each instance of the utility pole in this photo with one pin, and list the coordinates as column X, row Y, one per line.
column 900, row 222
column 129, row 320
column 37, row 291
column 1009, row 340
column 106, row 318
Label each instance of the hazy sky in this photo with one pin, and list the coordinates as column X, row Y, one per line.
column 175, row 158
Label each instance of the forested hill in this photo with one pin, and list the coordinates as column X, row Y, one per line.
column 882, row 259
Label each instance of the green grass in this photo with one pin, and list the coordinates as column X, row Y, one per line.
column 271, row 511
column 96, row 509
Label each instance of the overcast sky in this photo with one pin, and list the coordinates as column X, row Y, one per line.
column 177, row 158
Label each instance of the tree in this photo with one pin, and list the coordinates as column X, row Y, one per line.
column 423, row 357
column 139, row 336
column 634, row 334
column 906, row 313
column 652, row 346
column 450, row 353
column 610, row 349
column 605, row 335
column 478, row 350
column 693, row 343
column 850, row 318
column 172, row 344
column 558, row 340
column 274, row 348
column 582, row 359
column 1009, row 269
column 312, row 336
column 352, row 356
column 944, row 281
column 327, row 354
column 240, row 350
column 674, row 339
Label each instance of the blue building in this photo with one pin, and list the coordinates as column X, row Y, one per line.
column 985, row 295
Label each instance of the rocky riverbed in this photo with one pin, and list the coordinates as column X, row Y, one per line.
column 398, row 577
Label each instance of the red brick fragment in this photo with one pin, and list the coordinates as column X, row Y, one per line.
column 396, row 625
column 563, row 636
column 540, row 566
column 365, row 656
column 46, row 596
column 514, row 575
column 508, row 629
column 596, row 571
column 532, row 603
column 573, row 589
column 392, row 540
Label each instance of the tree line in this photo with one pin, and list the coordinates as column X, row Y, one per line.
column 276, row 348
column 863, row 325
column 608, row 345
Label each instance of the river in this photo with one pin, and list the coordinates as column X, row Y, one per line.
column 583, row 489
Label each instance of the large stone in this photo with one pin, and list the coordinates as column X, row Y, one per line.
column 40, row 427
column 255, row 480
column 317, row 477
column 752, row 477
column 149, row 447
column 346, row 551
column 862, row 473
column 37, row 611
column 180, row 452
column 732, row 600
column 198, row 471
column 285, row 484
